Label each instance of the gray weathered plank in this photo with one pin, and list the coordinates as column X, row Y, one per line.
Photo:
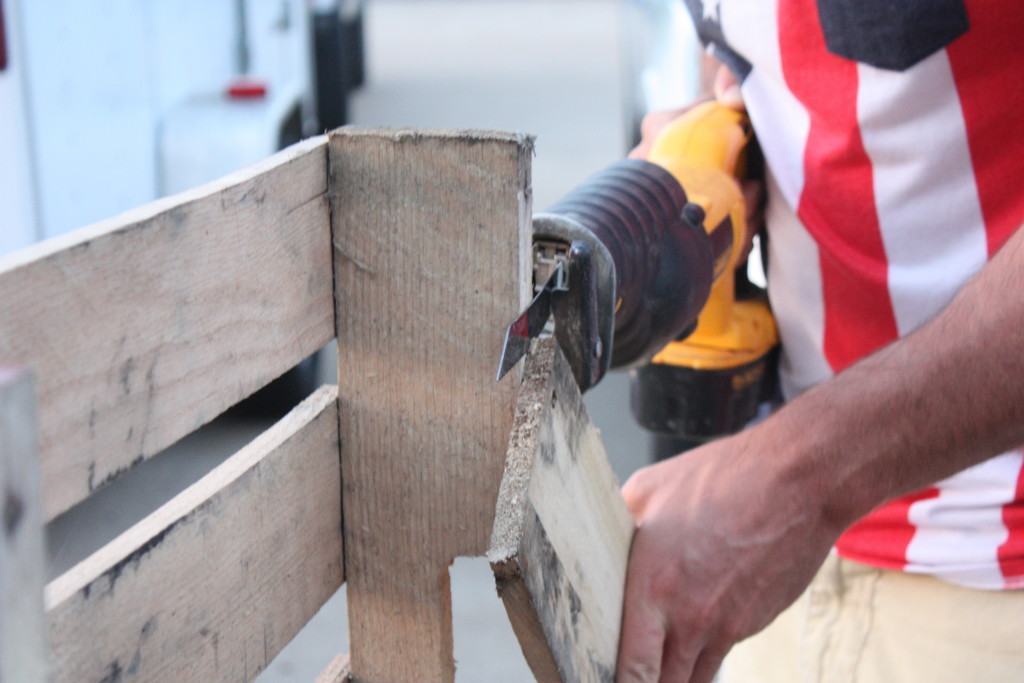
column 431, row 237
column 562, row 531
column 22, row 558
column 141, row 328
column 214, row 583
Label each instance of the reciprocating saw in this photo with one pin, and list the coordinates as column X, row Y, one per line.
column 636, row 267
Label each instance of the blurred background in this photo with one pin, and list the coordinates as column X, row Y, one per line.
column 107, row 106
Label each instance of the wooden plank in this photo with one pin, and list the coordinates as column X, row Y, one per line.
column 562, row 531
column 141, row 328
column 431, row 235
column 338, row 671
column 22, row 558
column 213, row 584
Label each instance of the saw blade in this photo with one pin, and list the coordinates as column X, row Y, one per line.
column 530, row 323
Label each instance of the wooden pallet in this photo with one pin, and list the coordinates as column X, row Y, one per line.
column 412, row 248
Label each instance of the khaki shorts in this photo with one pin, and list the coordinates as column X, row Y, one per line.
column 857, row 624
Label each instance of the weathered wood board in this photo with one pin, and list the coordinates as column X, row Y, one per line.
column 22, row 557
column 214, row 583
column 562, row 531
column 431, row 244
column 146, row 326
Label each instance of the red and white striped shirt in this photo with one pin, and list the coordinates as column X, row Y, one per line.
column 894, row 174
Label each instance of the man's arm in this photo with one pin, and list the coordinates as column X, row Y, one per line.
column 731, row 533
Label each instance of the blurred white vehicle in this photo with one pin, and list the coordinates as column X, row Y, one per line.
column 105, row 106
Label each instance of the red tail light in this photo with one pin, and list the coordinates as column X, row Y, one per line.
column 246, row 89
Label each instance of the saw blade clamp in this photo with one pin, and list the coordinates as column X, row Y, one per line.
column 583, row 310
column 549, row 257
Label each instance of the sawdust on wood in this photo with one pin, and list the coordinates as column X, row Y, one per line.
column 532, row 406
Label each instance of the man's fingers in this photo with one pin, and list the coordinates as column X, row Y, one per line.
column 641, row 644
column 631, row 493
column 707, row 666
column 643, row 624
column 678, row 658
column 637, row 492
column 651, row 126
column 727, row 89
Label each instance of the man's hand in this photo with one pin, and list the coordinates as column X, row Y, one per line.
column 723, row 545
column 729, row 534
column 705, row 566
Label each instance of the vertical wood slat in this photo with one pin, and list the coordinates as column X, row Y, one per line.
column 22, row 558
column 144, row 327
column 212, row 585
column 431, row 252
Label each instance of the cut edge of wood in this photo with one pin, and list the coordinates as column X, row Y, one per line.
column 143, row 532
column 531, row 407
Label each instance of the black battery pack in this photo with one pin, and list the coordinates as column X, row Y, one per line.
column 700, row 405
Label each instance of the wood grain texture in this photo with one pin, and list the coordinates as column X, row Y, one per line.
column 214, row 583
column 431, row 238
column 146, row 326
column 562, row 531
column 338, row 671
column 22, row 557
